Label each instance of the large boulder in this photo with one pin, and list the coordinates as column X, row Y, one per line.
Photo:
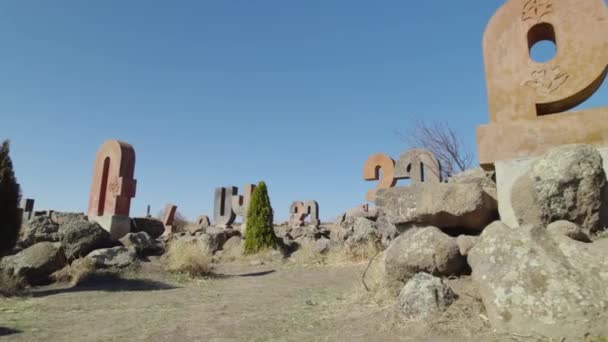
column 567, row 183
column 142, row 242
column 35, row 264
column 485, row 179
column 444, row 205
column 153, row 227
column 364, row 231
column 425, row 296
column 212, row 241
column 422, row 250
column 116, row 257
column 62, row 218
column 534, row 279
column 79, row 238
column 38, row 229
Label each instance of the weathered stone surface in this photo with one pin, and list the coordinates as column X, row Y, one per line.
column 567, row 183
column 142, row 242
column 213, row 240
column 422, row 250
column 36, row 263
column 444, row 205
column 233, row 247
column 425, row 296
column 364, row 231
column 153, row 227
column 322, row 245
column 168, row 218
column 465, row 243
column 79, row 238
column 116, row 257
column 203, row 222
column 240, row 203
column 521, row 92
column 477, row 175
column 568, row 229
column 62, row 218
column 530, row 278
column 38, row 229
column 387, row 231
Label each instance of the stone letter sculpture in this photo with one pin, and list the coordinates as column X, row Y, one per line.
column 27, row 210
column 222, row 211
column 113, row 187
column 169, row 218
column 527, row 99
column 203, row 222
column 371, row 172
column 419, row 165
column 240, row 204
column 300, row 210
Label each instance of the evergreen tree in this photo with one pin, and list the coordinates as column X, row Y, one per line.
column 260, row 231
column 10, row 195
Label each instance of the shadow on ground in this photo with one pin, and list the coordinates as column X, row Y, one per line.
column 254, row 274
column 8, row 331
column 106, row 282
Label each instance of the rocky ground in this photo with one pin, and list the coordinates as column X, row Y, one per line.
column 279, row 301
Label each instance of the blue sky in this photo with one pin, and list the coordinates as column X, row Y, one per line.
column 217, row 93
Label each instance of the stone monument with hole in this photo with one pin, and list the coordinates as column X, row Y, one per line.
column 530, row 102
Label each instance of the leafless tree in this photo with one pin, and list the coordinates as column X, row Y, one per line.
column 443, row 142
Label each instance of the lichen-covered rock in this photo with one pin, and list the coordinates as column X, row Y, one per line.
column 422, row 250
column 38, row 229
column 36, row 263
column 116, row 257
column 62, row 218
column 569, row 229
column 153, row 227
column 532, row 279
column 142, row 242
column 443, row 205
column 79, row 238
column 567, row 183
column 425, row 296
column 364, row 231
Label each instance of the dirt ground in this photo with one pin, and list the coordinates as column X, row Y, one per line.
column 279, row 301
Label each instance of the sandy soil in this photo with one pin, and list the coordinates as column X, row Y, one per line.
column 273, row 302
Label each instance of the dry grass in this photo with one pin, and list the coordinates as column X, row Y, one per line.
column 77, row 272
column 307, row 255
column 193, row 259
column 10, row 286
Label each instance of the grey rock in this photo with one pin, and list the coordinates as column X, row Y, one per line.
column 465, row 243
column 153, row 227
column 36, row 263
column 444, row 205
column 531, row 279
column 322, row 245
column 116, row 257
column 422, row 250
column 425, row 296
column 79, row 238
column 568, row 229
column 364, row 231
column 142, row 242
column 567, row 183
column 38, row 229
column 387, row 231
column 485, row 179
column 62, row 218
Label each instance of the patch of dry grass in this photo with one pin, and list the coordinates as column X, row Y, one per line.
column 193, row 259
column 77, row 272
column 10, row 286
column 307, row 255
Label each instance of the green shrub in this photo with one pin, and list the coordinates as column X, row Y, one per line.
column 260, row 232
column 10, row 195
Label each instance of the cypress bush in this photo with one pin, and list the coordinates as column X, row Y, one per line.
column 260, row 232
column 10, row 195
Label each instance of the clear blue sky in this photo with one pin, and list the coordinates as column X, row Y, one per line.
column 216, row 93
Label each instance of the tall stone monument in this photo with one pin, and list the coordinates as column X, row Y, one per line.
column 418, row 164
column 530, row 101
column 113, row 187
column 169, row 218
column 26, row 207
column 229, row 204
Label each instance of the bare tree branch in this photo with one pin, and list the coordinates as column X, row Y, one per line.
column 443, row 142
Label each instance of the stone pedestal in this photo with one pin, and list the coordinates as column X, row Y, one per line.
column 507, row 173
column 117, row 226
